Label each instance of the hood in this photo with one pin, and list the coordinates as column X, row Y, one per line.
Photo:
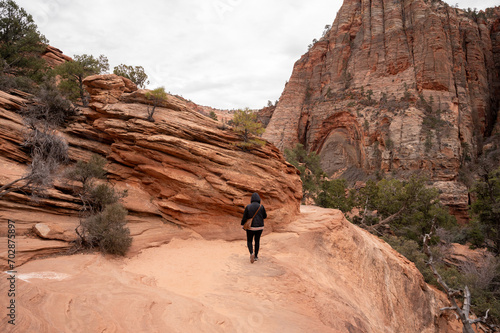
column 255, row 198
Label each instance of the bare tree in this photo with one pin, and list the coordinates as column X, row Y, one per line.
column 464, row 312
column 48, row 152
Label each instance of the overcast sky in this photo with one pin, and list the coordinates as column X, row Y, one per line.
column 221, row 53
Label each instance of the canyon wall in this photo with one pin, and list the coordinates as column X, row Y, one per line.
column 395, row 86
column 184, row 173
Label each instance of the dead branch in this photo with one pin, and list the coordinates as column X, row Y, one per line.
column 462, row 313
column 7, row 188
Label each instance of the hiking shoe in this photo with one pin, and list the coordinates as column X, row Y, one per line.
column 252, row 258
column 256, row 259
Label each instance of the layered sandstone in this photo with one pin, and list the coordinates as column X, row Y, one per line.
column 54, row 56
column 400, row 66
column 320, row 273
column 183, row 174
column 395, row 86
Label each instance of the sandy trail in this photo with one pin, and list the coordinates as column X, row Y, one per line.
column 219, row 275
column 191, row 285
column 321, row 274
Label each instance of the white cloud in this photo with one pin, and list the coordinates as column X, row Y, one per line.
column 220, row 53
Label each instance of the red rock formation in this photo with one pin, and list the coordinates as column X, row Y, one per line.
column 54, row 56
column 410, row 47
column 319, row 274
column 394, row 86
column 183, row 174
column 462, row 256
column 265, row 114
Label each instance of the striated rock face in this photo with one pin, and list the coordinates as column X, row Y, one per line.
column 395, row 86
column 54, row 56
column 462, row 256
column 455, row 196
column 183, row 174
column 346, row 280
column 265, row 114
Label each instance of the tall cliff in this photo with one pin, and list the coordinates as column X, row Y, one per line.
column 395, row 86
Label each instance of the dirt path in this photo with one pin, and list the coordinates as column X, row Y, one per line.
column 320, row 275
column 190, row 285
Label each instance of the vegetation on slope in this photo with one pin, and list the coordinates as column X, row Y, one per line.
column 403, row 211
column 103, row 218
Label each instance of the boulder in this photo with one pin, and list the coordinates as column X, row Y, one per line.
column 54, row 232
column 54, row 56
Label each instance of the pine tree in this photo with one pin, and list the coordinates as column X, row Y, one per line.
column 246, row 125
column 73, row 73
column 135, row 74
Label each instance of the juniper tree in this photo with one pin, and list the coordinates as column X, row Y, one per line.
column 73, row 73
column 246, row 125
column 156, row 98
column 20, row 42
column 135, row 74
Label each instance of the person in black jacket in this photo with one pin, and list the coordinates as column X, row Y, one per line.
column 258, row 212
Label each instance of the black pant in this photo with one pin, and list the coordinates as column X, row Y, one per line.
column 250, row 235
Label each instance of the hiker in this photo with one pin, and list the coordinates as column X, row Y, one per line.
column 257, row 213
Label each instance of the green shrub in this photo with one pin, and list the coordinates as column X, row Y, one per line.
column 475, row 234
column 248, row 128
column 409, row 208
column 156, row 97
column 332, row 194
column 99, row 196
column 135, row 74
column 20, row 43
column 86, row 172
column 213, row 115
column 107, row 230
column 486, row 207
column 74, row 72
column 310, row 169
column 103, row 217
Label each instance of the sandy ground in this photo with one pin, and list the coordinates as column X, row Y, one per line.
column 191, row 285
column 319, row 275
column 219, row 275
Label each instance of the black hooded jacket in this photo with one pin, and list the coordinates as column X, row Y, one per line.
column 250, row 210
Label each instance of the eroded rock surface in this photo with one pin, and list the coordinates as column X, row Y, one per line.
column 394, row 87
column 182, row 173
column 320, row 273
column 54, row 56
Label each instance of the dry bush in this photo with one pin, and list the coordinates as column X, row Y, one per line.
column 50, row 107
column 48, row 152
column 482, row 274
column 107, row 230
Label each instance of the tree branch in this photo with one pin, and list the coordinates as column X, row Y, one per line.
column 7, row 188
column 387, row 219
column 462, row 314
column 448, row 308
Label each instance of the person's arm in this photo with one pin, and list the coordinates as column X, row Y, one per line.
column 264, row 214
column 245, row 216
